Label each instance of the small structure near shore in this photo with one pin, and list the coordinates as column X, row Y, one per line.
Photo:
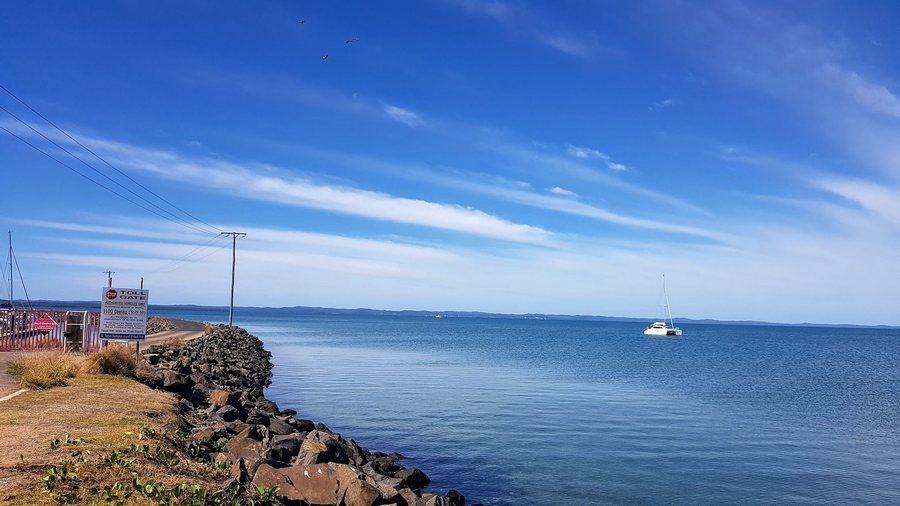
column 74, row 330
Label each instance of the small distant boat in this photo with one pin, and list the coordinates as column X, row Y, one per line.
column 664, row 328
column 438, row 316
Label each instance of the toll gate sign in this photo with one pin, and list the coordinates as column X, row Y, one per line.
column 123, row 314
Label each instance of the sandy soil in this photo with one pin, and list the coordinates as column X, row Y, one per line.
column 97, row 411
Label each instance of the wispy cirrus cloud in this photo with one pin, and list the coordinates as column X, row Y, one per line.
column 662, row 104
column 586, row 153
column 519, row 19
column 559, row 200
column 813, row 72
column 583, row 153
column 878, row 199
column 589, row 277
column 405, row 116
column 269, row 183
column 556, row 190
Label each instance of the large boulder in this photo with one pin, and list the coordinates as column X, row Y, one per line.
column 268, row 476
column 319, row 447
column 246, row 454
column 283, row 448
column 453, row 498
column 328, row 484
column 413, row 478
column 280, row 427
column 219, row 397
column 227, row 413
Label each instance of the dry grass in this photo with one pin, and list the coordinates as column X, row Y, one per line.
column 83, row 423
column 44, row 369
column 116, row 360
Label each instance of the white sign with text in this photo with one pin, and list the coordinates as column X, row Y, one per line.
column 123, row 314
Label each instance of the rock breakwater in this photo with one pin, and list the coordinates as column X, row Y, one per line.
column 220, row 379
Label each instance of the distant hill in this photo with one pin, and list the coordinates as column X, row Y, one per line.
column 324, row 311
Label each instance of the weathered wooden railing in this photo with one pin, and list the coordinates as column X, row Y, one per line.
column 75, row 330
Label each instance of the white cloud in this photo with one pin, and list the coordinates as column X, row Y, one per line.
column 538, row 26
column 585, row 153
column 405, row 116
column 562, row 191
column 814, row 72
column 784, row 274
column 273, row 184
column 662, row 104
column 875, row 97
column 522, row 194
column 878, row 199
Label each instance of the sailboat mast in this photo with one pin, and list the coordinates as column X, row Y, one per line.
column 666, row 294
column 11, row 305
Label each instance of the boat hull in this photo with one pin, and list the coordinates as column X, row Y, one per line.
column 662, row 332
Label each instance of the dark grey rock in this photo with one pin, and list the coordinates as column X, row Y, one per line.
column 413, row 478
column 280, row 427
column 227, row 413
column 283, row 448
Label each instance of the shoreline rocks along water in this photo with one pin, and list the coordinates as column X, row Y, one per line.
column 220, row 380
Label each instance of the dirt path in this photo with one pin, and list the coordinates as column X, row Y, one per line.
column 8, row 384
column 185, row 330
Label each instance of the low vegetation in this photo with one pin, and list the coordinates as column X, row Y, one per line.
column 114, row 359
column 44, row 370
column 102, row 440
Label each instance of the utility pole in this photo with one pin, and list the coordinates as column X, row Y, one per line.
column 234, row 236
column 109, row 278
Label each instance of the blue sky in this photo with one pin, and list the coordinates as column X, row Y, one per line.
column 495, row 156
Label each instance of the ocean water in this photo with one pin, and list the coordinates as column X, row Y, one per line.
column 513, row 411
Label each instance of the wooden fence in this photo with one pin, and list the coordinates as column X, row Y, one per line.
column 75, row 330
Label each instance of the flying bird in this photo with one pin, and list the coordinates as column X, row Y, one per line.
column 302, row 21
column 325, row 57
column 351, row 41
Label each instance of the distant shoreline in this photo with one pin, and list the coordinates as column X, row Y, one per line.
column 326, row 311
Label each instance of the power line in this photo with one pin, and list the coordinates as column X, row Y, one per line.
column 174, row 263
column 89, row 150
column 171, row 217
column 89, row 178
column 215, row 250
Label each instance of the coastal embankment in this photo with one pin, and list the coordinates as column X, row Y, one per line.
column 220, row 380
column 187, row 423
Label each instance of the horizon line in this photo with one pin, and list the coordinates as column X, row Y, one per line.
column 471, row 313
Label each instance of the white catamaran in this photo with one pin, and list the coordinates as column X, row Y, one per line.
column 664, row 328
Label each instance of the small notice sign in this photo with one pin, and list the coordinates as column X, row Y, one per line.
column 123, row 314
column 44, row 324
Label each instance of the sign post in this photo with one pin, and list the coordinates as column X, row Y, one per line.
column 123, row 314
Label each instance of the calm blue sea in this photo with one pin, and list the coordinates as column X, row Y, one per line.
column 515, row 411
